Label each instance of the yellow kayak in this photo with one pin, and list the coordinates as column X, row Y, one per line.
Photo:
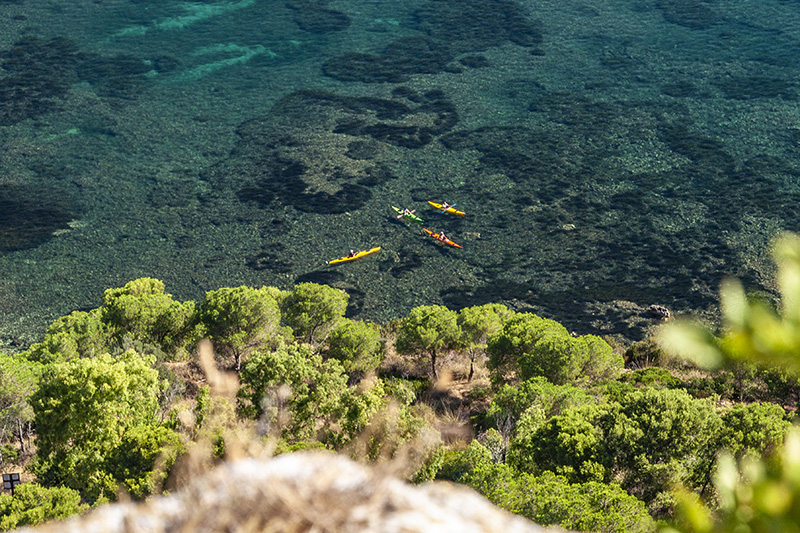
column 359, row 255
column 450, row 210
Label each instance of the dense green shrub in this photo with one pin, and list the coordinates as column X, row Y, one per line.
column 8, row 453
column 549, row 499
column 572, row 443
column 650, row 440
column 538, row 398
column 652, row 376
column 757, row 428
column 458, row 463
column 133, row 462
column 658, row 438
column 33, row 504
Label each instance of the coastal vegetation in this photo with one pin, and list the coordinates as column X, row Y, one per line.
column 120, row 401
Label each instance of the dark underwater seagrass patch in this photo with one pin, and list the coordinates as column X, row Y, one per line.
column 35, row 77
column 29, row 216
column 406, row 261
column 449, row 29
column 320, row 152
column 272, row 259
column 476, row 25
column 314, row 17
column 121, row 76
column 694, row 14
column 752, row 87
column 394, row 64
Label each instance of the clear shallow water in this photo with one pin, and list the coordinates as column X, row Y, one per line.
column 609, row 155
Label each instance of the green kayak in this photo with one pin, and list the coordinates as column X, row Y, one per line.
column 408, row 215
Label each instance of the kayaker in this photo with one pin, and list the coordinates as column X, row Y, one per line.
column 352, row 253
column 407, row 212
column 446, row 206
column 443, row 237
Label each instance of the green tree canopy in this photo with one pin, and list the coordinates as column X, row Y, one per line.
column 79, row 334
column 142, row 310
column 662, row 437
column 516, row 341
column 458, row 463
column 359, row 404
column 477, row 324
column 566, row 359
column 82, row 410
column 538, row 398
column 293, row 389
column 312, row 310
column 239, row 320
column 428, row 330
column 355, row 344
column 571, row 443
column 530, row 346
column 651, row 440
column 18, row 381
column 134, row 462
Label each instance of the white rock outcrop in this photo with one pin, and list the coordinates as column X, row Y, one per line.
column 319, row 492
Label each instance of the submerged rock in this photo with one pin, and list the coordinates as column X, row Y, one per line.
column 659, row 311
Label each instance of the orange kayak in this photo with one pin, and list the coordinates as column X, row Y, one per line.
column 438, row 237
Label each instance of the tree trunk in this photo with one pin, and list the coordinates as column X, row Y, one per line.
column 20, row 436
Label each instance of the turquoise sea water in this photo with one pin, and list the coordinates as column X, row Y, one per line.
column 609, row 154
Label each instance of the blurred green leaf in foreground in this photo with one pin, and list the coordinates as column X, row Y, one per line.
column 753, row 494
